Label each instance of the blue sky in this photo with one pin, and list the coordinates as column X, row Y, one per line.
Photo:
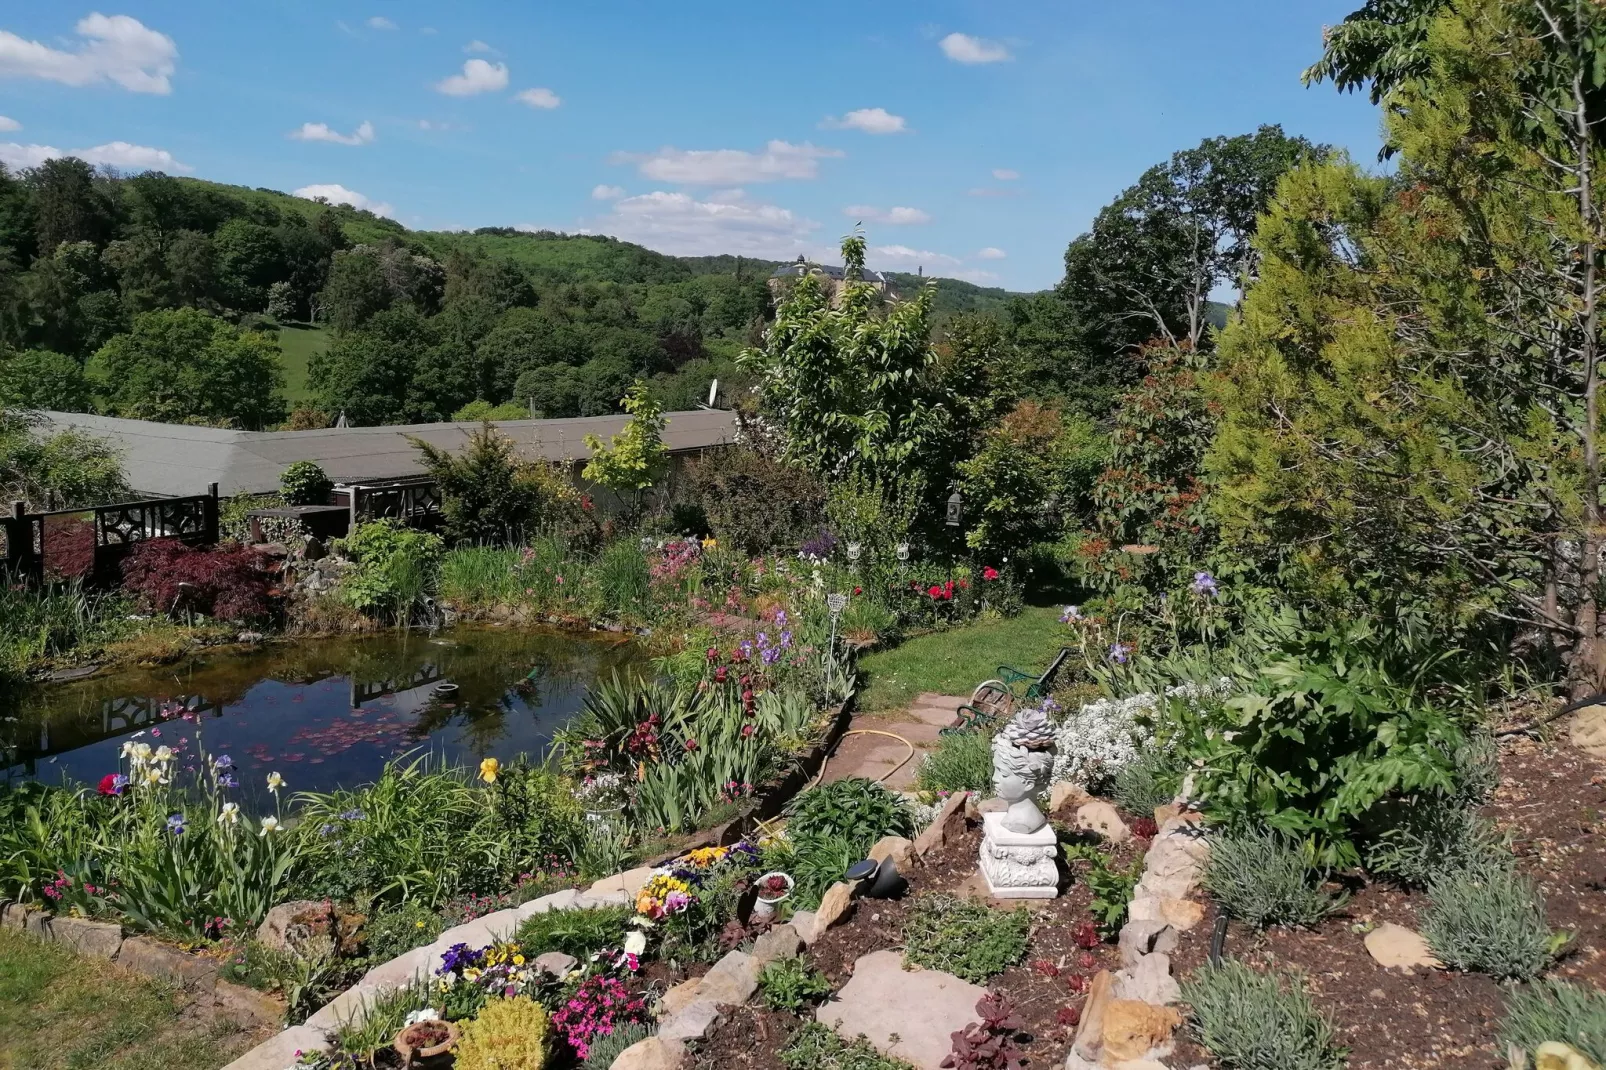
column 972, row 138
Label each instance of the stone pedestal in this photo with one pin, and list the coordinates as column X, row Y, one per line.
column 1018, row 865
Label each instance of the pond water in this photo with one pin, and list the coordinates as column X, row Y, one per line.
column 325, row 713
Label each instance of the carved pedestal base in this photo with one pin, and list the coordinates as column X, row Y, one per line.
column 1018, row 865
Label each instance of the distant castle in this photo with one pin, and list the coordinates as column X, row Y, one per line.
column 830, row 277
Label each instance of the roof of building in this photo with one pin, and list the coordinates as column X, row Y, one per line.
column 175, row 459
column 799, row 268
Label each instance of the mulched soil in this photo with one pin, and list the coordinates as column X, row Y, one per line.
column 1046, row 989
column 1551, row 801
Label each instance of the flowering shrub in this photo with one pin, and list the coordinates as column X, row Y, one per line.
column 229, row 582
column 1097, row 741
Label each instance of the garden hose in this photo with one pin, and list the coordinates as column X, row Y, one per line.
column 869, row 732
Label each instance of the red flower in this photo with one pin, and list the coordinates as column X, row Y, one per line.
column 748, row 730
column 691, row 744
column 109, row 785
column 989, row 573
column 712, row 654
column 858, row 590
column 721, row 674
column 935, row 592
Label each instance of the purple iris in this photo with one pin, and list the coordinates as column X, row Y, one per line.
column 771, row 655
column 351, row 815
column 223, row 761
column 227, row 780
column 175, row 824
column 1119, row 652
column 1071, row 615
column 1204, row 583
column 763, row 640
column 786, row 639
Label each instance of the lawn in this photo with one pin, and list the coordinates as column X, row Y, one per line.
column 59, row 1011
column 953, row 662
column 298, row 344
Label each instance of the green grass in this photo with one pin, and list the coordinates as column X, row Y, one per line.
column 298, row 344
column 59, row 1011
column 953, row 662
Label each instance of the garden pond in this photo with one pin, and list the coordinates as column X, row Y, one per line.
column 325, row 713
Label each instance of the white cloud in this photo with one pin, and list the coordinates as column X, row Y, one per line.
column 538, row 98
column 992, row 252
column 119, row 154
column 335, row 193
column 869, row 120
column 722, row 167
column 380, row 22
column 428, row 31
column 478, row 46
column 963, row 48
column 980, row 278
column 903, row 256
column 895, row 216
column 725, row 222
column 607, row 193
column 322, row 132
column 8, row 124
column 1004, row 174
column 117, row 49
column 478, row 77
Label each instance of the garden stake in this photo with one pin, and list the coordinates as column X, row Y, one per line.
column 1218, row 939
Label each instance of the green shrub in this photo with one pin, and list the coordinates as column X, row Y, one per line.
column 580, row 933
column 1264, row 878
column 396, row 568
column 1477, row 769
column 1430, row 838
column 394, row 931
column 791, row 984
column 1255, row 1021
column 814, row 863
column 1556, row 1010
column 1490, row 920
column 967, row 939
column 602, row 1051
column 305, row 483
column 1111, row 888
column 1145, row 784
column 963, row 761
column 816, row 1047
column 855, row 808
column 754, row 503
column 492, row 497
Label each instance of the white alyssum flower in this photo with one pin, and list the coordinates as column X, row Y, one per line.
column 1096, row 742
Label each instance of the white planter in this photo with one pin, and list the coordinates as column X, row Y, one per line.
column 765, row 906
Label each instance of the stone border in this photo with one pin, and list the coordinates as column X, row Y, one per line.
column 1128, row 1019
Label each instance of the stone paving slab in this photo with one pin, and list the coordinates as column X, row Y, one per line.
column 920, row 1008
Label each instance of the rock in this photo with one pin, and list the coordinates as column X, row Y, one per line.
column 896, row 848
column 835, row 906
column 733, row 979
column 248, row 1007
column 279, row 1051
column 616, row 898
column 156, row 959
column 564, row 900
column 97, row 939
column 679, row 997
column 907, row 1015
column 1149, row 980
column 1587, row 728
column 781, row 942
column 805, row 924
column 1554, row 1055
column 693, row 1022
column 1173, row 862
column 1132, row 1029
column 556, row 963
column 654, row 1053
column 948, row 825
column 1100, row 817
column 15, row 916
column 493, row 927
column 1143, row 937
column 288, row 925
column 404, row 969
column 1090, row 1030
column 1180, row 914
column 1064, row 793
column 630, row 882
column 249, row 637
column 349, row 1008
column 1393, row 946
column 994, row 805
column 1165, row 813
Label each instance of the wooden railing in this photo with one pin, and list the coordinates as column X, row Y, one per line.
column 115, row 530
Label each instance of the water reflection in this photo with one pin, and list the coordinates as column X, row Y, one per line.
column 326, row 713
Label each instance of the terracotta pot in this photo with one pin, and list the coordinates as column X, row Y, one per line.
column 419, row 1044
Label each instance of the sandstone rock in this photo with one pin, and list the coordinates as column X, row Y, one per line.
column 564, row 900
column 1587, row 728
column 1172, row 865
column 894, row 847
column 617, row 897
column 556, row 963
column 405, row 968
column 288, row 925
column 489, row 929
column 679, row 997
column 1143, row 937
column 1180, row 914
column 1090, row 1030
column 907, row 1015
column 349, row 1008
column 733, row 979
column 835, row 906
column 1149, row 980
column 693, row 1022
column 948, row 826
column 1100, row 817
column 15, row 916
column 1394, row 946
column 1554, row 1055
column 1065, row 793
column 279, row 1051
column 629, row 882
column 1131, row 1029
column 804, row 922
column 97, row 939
column 654, row 1053
column 156, row 959
column 781, row 942
column 1165, row 813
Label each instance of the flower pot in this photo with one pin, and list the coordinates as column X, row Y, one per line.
column 764, row 906
column 426, row 1044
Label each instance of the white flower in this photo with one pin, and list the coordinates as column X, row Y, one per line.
column 164, row 754
column 1096, row 742
column 229, row 815
column 423, row 1014
column 141, row 752
column 636, row 943
column 269, row 824
column 275, row 782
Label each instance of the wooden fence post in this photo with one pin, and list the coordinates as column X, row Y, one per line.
column 210, row 509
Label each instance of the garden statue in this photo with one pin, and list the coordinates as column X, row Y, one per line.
column 1018, row 846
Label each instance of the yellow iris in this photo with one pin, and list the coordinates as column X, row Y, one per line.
column 488, row 770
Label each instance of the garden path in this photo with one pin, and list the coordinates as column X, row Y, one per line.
column 874, row 756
